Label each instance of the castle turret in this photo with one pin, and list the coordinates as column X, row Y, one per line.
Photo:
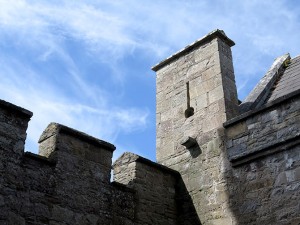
column 196, row 94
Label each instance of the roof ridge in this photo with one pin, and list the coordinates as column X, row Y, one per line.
column 264, row 87
column 274, row 86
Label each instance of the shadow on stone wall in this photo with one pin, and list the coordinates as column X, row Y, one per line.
column 187, row 214
column 195, row 151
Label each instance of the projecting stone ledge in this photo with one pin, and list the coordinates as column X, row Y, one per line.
column 188, row 142
column 216, row 33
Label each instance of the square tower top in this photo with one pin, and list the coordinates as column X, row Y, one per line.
column 216, row 33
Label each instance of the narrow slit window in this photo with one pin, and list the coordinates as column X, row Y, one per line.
column 190, row 110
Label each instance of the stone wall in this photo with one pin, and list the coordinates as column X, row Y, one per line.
column 155, row 186
column 264, row 148
column 69, row 181
column 207, row 66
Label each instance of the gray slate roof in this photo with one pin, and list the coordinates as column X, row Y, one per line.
column 288, row 82
column 281, row 81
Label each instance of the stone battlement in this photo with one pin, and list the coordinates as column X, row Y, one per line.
column 70, row 178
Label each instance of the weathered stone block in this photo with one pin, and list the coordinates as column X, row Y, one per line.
column 201, row 102
column 236, row 130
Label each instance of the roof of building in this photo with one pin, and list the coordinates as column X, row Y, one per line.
column 288, row 82
column 282, row 79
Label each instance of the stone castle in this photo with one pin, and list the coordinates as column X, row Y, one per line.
column 219, row 161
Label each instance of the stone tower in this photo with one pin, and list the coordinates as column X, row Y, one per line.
column 196, row 94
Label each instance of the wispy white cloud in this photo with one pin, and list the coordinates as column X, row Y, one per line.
column 47, row 102
column 111, row 25
column 109, row 31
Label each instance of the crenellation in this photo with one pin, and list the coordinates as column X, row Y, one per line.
column 69, row 182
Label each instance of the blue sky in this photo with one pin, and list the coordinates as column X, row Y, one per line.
column 86, row 64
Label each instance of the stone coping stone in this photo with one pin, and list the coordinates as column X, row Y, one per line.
column 122, row 187
column 56, row 128
column 156, row 165
column 216, row 33
column 40, row 158
column 16, row 109
column 136, row 158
